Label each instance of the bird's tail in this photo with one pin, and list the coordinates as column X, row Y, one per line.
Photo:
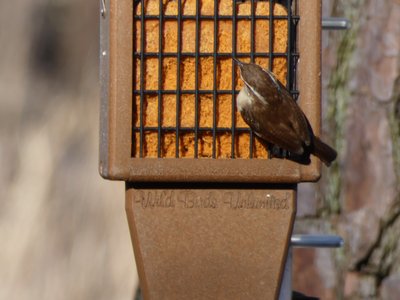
column 325, row 152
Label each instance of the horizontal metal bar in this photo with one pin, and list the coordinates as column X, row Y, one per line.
column 335, row 24
column 185, row 92
column 167, row 129
column 316, row 241
column 211, row 54
column 211, row 18
column 192, row 92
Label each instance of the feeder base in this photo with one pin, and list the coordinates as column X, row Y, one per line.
column 210, row 243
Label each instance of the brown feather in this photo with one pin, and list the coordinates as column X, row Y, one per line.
column 275, row 117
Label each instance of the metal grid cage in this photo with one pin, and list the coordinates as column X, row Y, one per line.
column 194, row 134
column 142, row 107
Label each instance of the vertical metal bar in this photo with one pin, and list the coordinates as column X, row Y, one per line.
column 135, row 108
column 271, row 38
column 178, row 79
column 252, row 50
column 142, row 62
column 160, row 64
column 295, row 47
column 233, row 78
column 215, row 62
column 286, row 285
column 252, row 25
column 196, row 88
column 271, row 34
column 289, row 83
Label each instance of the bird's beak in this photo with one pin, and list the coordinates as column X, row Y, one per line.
column 240, row 64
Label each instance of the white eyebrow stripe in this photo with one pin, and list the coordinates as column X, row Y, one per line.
column 256, row 93
column 271, row 75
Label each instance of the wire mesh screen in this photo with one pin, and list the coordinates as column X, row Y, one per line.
column 185, row 82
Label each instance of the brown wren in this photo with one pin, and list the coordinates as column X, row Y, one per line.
column 274, row 116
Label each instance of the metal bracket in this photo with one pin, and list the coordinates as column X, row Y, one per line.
column 316, row 241
column 335, row 24
column 305, row 240
column 103, row 9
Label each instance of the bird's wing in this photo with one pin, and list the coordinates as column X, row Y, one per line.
column 297, row 120
column 275, row 116
column 286, row 107
column 274, row 130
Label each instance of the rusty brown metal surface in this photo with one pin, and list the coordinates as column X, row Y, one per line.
column 115, row 156
column 210, row 243
column 309, row 74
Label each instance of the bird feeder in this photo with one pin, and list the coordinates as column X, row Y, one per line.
column 210, row 214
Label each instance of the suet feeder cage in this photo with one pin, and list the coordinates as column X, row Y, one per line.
column 210, row 215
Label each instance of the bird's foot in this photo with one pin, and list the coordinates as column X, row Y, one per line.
column 276, row 151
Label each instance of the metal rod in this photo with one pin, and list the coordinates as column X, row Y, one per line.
column 289, row 48
column 271, row 35
column 196, row 84
column 223, row 55
column 252, row 50
column 190, row 129
column 160, row 77
column 142, row 81
column 316, row 241
column 286, row 286
column 306, row 240
column 211, row 17
column 215, row 85
column 103, row 9
column 335, row 23
column 185, row 92
column 178, row 79
column 233, row 116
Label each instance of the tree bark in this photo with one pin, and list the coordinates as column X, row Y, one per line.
column 358, row 197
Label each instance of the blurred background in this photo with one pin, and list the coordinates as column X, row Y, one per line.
column 63, row 229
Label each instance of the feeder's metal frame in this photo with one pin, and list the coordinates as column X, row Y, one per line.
column 330, row 23
column 116, row 161
column 304, row 241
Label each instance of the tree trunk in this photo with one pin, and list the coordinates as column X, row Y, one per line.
column 358, row 197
